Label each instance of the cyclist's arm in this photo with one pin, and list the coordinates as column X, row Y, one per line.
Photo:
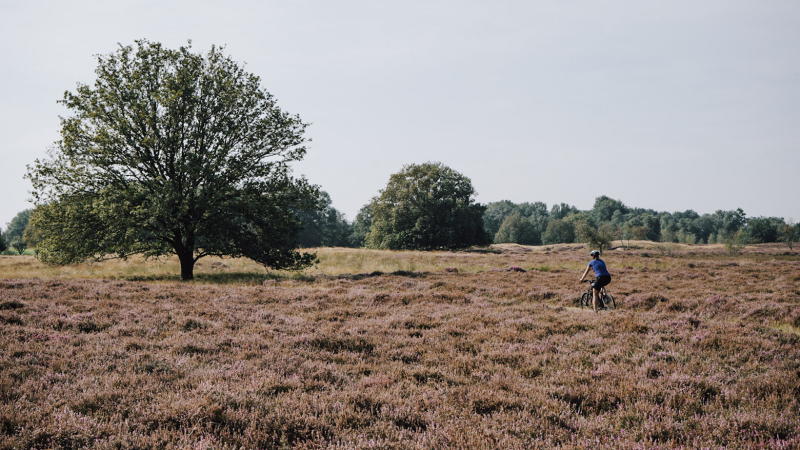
column 585, row 272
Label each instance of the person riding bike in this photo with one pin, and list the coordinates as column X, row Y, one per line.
column 601, row 275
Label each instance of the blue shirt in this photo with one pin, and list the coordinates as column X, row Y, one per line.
column 599, row 268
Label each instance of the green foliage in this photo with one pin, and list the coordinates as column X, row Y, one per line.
column 425, row 207
column 765, row 229
column 605, row 207
column 32, row 235
column 496, row 213
column 538, row 217
column 3, row 245
column 18, row 245
column 517, row 229
column 172, row 152
column 729, row 222
column 790, row 233
column 534, row 213
column 562, row 210
column 324, row 226
column 597, row 238
column 361, row 226
column 559, row 231
column 634, row 223
column 634, row 232
column 16, row 228
column 14, row 238
column 736, row 242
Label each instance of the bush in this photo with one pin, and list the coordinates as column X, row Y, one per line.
column 735, row 243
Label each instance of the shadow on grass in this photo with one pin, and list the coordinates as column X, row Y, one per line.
column 253, row 278
column 247, row 278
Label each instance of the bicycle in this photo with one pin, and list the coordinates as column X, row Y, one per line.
column 604, row 300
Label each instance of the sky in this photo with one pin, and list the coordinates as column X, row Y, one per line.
column 668, row 105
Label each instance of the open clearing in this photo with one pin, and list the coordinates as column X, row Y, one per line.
column 702, row 352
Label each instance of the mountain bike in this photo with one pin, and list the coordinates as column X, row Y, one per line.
column 604, row 300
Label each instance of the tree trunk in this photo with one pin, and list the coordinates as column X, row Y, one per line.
column 187, row 265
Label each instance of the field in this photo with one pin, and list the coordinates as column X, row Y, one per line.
column 388, row 350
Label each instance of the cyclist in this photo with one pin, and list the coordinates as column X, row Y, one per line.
column 601, row 275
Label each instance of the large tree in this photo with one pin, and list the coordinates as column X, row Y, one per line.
column 172, row 152
column 426, row 207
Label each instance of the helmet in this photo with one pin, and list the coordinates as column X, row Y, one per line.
column 594, row 253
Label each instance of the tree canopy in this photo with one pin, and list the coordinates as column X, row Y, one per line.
column 361, row 226
column 517, row 229
column 425, row 207
column 172, row 152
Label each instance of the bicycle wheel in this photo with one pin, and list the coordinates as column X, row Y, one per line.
column 609, row 301
column 586, row 300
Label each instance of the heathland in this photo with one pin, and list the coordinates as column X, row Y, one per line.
column 405, row 350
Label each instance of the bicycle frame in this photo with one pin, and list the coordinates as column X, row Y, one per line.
column 605, row 299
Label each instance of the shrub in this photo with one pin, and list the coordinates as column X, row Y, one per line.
column 735, row 243
column 790, row 233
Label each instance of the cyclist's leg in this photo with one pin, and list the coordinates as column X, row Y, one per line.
column 600, row 287
column 595, row 293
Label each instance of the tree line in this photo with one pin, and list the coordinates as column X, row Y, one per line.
column 430, row 206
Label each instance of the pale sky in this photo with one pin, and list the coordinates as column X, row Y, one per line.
column 670, row 105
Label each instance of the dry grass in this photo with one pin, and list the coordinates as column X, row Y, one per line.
column 703, row 352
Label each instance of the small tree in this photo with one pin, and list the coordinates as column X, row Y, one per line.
column 608, row 232
column 19, row 245
column 639, row 233
column 599, row 238
column 3, row 245
column 426, row 207
column 626, row 235
column 172, row 152
column 736, row 242
column 790, row 232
